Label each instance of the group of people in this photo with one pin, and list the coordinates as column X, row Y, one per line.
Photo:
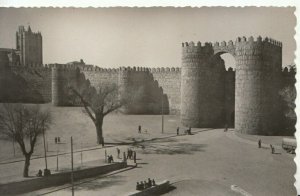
column 188, row 131
column 47, row 172
column 57, row 140
column 131, row 155
column 144, row 185
column 271, row 146
column 110, row 159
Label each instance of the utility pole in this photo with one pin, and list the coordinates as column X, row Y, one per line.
column 81, row 154
column 45, row 146
column 72, row 174
column 14, row 146
column 57, row 160
column 162, row 113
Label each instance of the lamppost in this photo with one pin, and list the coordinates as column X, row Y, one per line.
column 13, row 141
column 72, row 174
column 162, row 113
column 45, row 148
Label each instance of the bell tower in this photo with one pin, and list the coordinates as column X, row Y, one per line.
column 29, row 46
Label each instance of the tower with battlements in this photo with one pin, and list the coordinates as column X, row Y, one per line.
column 29, row 46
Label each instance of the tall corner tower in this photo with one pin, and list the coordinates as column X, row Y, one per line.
column 29, row 45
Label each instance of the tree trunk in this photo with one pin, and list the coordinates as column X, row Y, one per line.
column 99, row 124
column 26, row 166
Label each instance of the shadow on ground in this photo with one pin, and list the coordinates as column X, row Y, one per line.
column 170, row 146
column 101, row 183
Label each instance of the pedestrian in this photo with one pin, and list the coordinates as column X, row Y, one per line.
column 128, row 153
column 55, row 140
column 40, row 173
column 177, row 130
column 111, row 159
column 153, row 182
column 140, row 129
column 226, row 128
column 259, row 143
column 190, row 131
column 145, row 185
column 124, row 156
column 134, row 157
column 138, row 186
column 118, row 151
column 149, row 182
column 272, row 149
column 142, row 185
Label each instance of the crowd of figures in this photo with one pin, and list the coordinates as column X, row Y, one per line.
column 130, row 155
column 144, row 185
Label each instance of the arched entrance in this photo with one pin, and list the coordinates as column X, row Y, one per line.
column 229, row 86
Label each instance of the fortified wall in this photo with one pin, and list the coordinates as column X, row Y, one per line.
column 256, row 98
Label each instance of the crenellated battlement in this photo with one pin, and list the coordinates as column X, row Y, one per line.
column 166, row 69
column 230, row 69
column 229, row 46
column 289, row 71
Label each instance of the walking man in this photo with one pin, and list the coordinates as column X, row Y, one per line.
column 259, row 143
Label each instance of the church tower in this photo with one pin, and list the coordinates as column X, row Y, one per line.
column 29, row 46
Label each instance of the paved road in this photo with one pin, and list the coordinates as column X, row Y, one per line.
column 206, row 163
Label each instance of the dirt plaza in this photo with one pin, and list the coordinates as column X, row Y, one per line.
column 209, row 162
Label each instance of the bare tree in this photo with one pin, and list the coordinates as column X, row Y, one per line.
column 99, row 102
column 23, row 124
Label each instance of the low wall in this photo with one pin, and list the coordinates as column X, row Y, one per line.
column 158, row 189
column 56, row 179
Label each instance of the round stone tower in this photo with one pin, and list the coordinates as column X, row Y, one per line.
column 202, row 86
column 62, row 76
column 57, row 86
column 4, row 62
column 124, row 86
column 256, row 90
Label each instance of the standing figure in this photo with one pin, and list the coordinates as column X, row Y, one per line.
column 124, row 157
column 272, row 149
column 226, row 128
column 259, row 143
column 177, row 130
column 149, row 182
column 140, row 129
column 118, row 151
column 134, row 156
column 153, row 182
column 142, row 185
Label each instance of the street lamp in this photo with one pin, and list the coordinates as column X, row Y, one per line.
column 162, row 113
column 46, row 170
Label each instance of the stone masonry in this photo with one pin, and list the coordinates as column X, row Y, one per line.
column 202, row 91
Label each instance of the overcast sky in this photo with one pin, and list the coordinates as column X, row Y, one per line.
column 149, row 37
